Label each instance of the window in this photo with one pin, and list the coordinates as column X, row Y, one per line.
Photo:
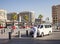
column 47, row 26
column 38, row 26
column 41, row 26
column 50, row 26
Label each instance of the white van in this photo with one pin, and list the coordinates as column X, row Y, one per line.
column 44, row 29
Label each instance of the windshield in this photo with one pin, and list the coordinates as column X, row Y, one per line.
column 40, row 26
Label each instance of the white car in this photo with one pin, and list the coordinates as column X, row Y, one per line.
column 43, row 29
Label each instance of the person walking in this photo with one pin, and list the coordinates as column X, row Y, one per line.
column 35, row 31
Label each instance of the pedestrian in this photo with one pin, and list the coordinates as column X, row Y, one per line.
column 35, row 31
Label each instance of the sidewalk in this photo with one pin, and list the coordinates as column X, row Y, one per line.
column 4, row 36
column 55, row 30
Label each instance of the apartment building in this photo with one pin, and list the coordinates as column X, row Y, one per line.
column 56, row 15
column 3, row 17
column 11, row 15
column 27, row 17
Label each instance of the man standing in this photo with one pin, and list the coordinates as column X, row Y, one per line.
column 35, row 31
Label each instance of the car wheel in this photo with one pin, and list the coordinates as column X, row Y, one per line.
column 49, row 32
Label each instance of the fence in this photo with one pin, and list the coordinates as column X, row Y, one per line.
column 19, row 32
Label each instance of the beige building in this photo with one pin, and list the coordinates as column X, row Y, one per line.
column 10, row 15
column 3, row 17
column 27, row 17
column 56, row 15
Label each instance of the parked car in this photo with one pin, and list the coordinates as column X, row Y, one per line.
column 43, row 29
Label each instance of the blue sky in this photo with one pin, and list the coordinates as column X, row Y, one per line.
column 43, row 7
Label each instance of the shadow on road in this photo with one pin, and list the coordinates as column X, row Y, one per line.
column 28, row 41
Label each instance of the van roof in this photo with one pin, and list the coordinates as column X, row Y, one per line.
column 45, row 24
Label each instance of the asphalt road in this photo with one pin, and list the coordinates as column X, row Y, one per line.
column 54, row 38
column 29, row 41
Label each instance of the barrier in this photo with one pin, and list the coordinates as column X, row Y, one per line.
column 9, row 35
column 19, row 34
column 26, row 32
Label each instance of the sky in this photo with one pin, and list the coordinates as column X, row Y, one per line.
column 43, row 7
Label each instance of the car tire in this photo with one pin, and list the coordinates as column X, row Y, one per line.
column 49, row 32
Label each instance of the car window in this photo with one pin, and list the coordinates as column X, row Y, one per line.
column 50, row 26
column 41, row 26
column 38, row 26
column 47, row 26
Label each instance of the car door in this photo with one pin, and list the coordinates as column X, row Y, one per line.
column 46, row 30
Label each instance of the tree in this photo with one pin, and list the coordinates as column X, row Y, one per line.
column 0, row 23
column 14, row 16
column 26, row 17
column 40, row 17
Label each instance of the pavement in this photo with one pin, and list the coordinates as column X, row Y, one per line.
column 28, row 41
column 54, row 38
column 5, row 35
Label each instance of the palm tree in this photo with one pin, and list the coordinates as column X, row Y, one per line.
column 40, row 17
column 14, row 17
column 26, row 17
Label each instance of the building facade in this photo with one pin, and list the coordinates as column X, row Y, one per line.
column 11, row 15
column 37, row 21
column 27, row 17
column 56, row 15
column 3, row 17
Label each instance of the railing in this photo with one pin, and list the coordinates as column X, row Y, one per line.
column 11, row 33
